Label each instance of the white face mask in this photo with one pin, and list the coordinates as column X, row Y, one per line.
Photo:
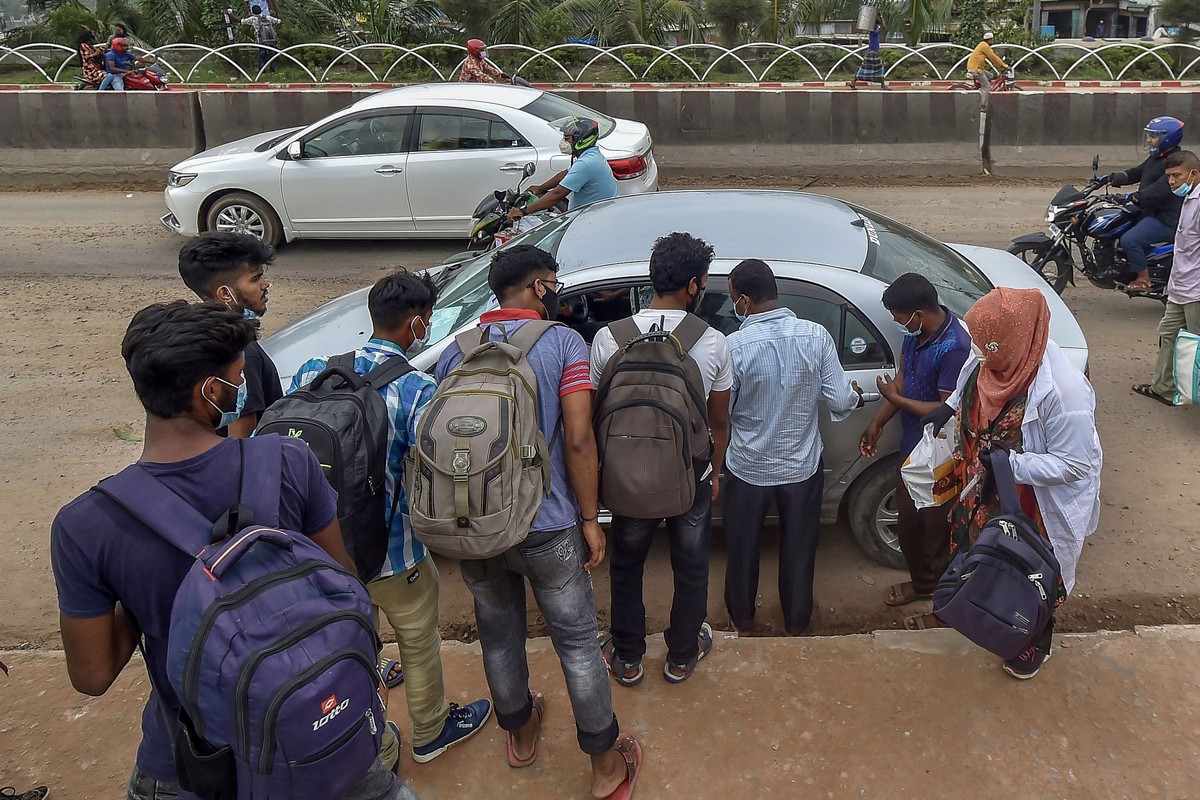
column 564, row 147
column 419, row 342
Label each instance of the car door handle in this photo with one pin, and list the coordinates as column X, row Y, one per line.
column 512, row 168
column 388, row 170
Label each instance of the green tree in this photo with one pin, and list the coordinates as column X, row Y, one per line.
column 732, row 17
column 617, row 22
column 536, row 23
column 1184, row 13
column 473, row 15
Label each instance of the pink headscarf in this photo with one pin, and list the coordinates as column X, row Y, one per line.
column 1011, row 327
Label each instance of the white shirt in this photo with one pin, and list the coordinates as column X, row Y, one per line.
column 711, row 352
column 1061, row 456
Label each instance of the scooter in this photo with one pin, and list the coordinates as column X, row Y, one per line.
column 1093, row 225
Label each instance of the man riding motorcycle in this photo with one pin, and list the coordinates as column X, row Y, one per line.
column 1158, row 206
column 588, row 179
column 476, row 68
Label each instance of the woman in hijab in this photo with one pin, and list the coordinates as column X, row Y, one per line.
column 1021, row 394
column 91, row 57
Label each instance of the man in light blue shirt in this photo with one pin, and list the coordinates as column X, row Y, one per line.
column 782, row 367
column 588, row 180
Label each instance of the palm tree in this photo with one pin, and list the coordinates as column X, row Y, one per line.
column 526, row 22
column 617, row 22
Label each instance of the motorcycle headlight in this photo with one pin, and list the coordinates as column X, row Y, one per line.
column 176, row 179
column 1052, row 212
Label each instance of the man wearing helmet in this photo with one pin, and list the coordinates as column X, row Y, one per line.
column 980, row 56
column 119, row 62
column 588, row 179
column 476, row 68
column 1158, row 205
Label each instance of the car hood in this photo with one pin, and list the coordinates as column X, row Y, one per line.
column 628, row 138
column 1005, row 269
column 223, row 152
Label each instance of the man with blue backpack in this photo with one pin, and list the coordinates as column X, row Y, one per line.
column 221, row 559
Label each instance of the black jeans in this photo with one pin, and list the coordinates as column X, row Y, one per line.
column 924, row 536
column 745, row 510
column 690, row 536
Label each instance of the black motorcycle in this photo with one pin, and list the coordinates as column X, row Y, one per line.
column 1093, row 225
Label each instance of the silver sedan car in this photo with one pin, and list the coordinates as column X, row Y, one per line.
column 405, row 163
column 832, row 260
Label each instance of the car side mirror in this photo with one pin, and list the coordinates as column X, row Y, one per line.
column 529, row 169
column 296, row 150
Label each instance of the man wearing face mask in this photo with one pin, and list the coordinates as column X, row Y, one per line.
column 783, row 367
column 936, row 345
column 1183, row 287
column 401, row 308
column 117, row 580
column 589, row 178
column 231, row 268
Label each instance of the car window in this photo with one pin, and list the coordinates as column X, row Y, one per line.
column 900, row 249
column 382, row 134
column 459, row 132
column 551, row 107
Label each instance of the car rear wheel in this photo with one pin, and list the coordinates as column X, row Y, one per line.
column 871, row 508
column 245, row 213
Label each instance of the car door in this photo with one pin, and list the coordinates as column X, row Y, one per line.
column 457, row 157
column 349, row 180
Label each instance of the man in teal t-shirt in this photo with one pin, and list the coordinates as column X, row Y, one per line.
column 588, row 179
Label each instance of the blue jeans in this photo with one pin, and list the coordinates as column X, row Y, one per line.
column 690, row 537
column 552, row 562
column 1137, row 240
column 265, row 55
column 112, row 81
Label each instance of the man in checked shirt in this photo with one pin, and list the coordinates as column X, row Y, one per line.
column 782, row 367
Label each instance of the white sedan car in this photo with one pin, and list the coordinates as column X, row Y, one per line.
column 405, row 163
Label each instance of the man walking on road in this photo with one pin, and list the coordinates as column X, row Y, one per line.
column 782, row 367
column 936, row 346
column 980, row 56
column 1183, row 288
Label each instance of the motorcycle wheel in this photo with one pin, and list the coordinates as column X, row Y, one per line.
column 1051, row 264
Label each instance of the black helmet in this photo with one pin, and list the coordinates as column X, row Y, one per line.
column 584, row 133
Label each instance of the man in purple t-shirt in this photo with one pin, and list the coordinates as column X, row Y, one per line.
column 117, row 580
column 936, row 346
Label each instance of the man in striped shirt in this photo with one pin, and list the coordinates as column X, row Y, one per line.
column 782, row 367
column 401, row 306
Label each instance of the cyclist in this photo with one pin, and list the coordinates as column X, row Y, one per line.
column 476, row 68
column 980, row 56
column 1158, row 206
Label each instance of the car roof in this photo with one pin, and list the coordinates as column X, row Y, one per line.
column 495, row 93
column 820, row 230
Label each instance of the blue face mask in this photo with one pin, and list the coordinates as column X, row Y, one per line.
column 230, row 417
column 249, row 315
column 903, row 326
column 1184, row 189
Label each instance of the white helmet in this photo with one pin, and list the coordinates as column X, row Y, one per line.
column 989, row 35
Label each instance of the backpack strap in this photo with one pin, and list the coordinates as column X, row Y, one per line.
column 164, row 513
column 1006, row 484
column 526, row 336
column 393, row 369
column 262, row 477
column 624, row 331
column 689, row 331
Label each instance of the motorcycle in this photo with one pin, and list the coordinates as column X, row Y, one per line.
column 146, row 79
column 490, row 224
column 1093, row 225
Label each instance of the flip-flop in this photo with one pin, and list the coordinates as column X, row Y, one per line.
column 630, row 750
column 539, row 706
column 920, row 622
column 896, row 596
column 386, row 667
column 1145, row 390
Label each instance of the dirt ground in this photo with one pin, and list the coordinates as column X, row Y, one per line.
column 75, row 265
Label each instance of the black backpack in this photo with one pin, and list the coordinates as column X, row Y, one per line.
column 344, row 420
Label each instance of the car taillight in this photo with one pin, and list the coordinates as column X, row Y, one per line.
column 627, row 168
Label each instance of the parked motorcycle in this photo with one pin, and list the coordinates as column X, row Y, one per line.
column 1093, row 225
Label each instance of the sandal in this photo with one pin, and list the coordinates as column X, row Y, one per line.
column 922, row 622
column 40, row 793
column 902, row 594
column 704, row 646
column 390, row 667
column 630, row 750
column 1145, row 390
column 620, row 670
column 515, row 761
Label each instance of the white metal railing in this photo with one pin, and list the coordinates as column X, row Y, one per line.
column 176, row 60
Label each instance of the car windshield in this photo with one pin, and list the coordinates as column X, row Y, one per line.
column 551, row 107
column 900, row 249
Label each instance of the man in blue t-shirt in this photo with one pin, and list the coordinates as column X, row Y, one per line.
column 116, row 579
column 589, row 178
column 118, row 62
column 936, row 345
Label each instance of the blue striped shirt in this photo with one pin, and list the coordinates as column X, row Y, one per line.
column 782, row 367
column 406, row 400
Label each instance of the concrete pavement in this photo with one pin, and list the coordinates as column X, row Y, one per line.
column 888, row 715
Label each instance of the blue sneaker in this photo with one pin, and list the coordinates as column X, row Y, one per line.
column 462, row 723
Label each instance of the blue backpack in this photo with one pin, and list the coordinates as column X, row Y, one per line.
column 272, row 649
column 1000, row 593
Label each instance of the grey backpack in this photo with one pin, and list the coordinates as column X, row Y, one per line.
column 651, row 421
column 480, row 467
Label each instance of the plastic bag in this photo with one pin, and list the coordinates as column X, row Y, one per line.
column 930, row 471
column 1187, row 369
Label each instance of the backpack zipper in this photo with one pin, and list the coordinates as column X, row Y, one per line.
column 675, row 415
column 337, row 743
column 512, row 373
column 1017, row 563
column 700, row 402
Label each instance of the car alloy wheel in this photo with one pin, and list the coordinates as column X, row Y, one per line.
column 241, row 219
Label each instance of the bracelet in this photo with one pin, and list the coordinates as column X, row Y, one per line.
column 589, row 519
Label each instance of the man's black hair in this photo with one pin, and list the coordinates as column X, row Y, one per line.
column 514, row 268
column 399, row 295
column 1183, row 158
column 909, row 293
column 677, row 258
column 754, row 279
column 170, row 347
column 213, row 259
column 255, row 9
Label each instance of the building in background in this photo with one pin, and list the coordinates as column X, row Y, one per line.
column 1075, row 19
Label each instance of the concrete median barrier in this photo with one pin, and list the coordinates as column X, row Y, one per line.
column 234, row 114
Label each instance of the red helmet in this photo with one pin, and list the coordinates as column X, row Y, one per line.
column 476, row 46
